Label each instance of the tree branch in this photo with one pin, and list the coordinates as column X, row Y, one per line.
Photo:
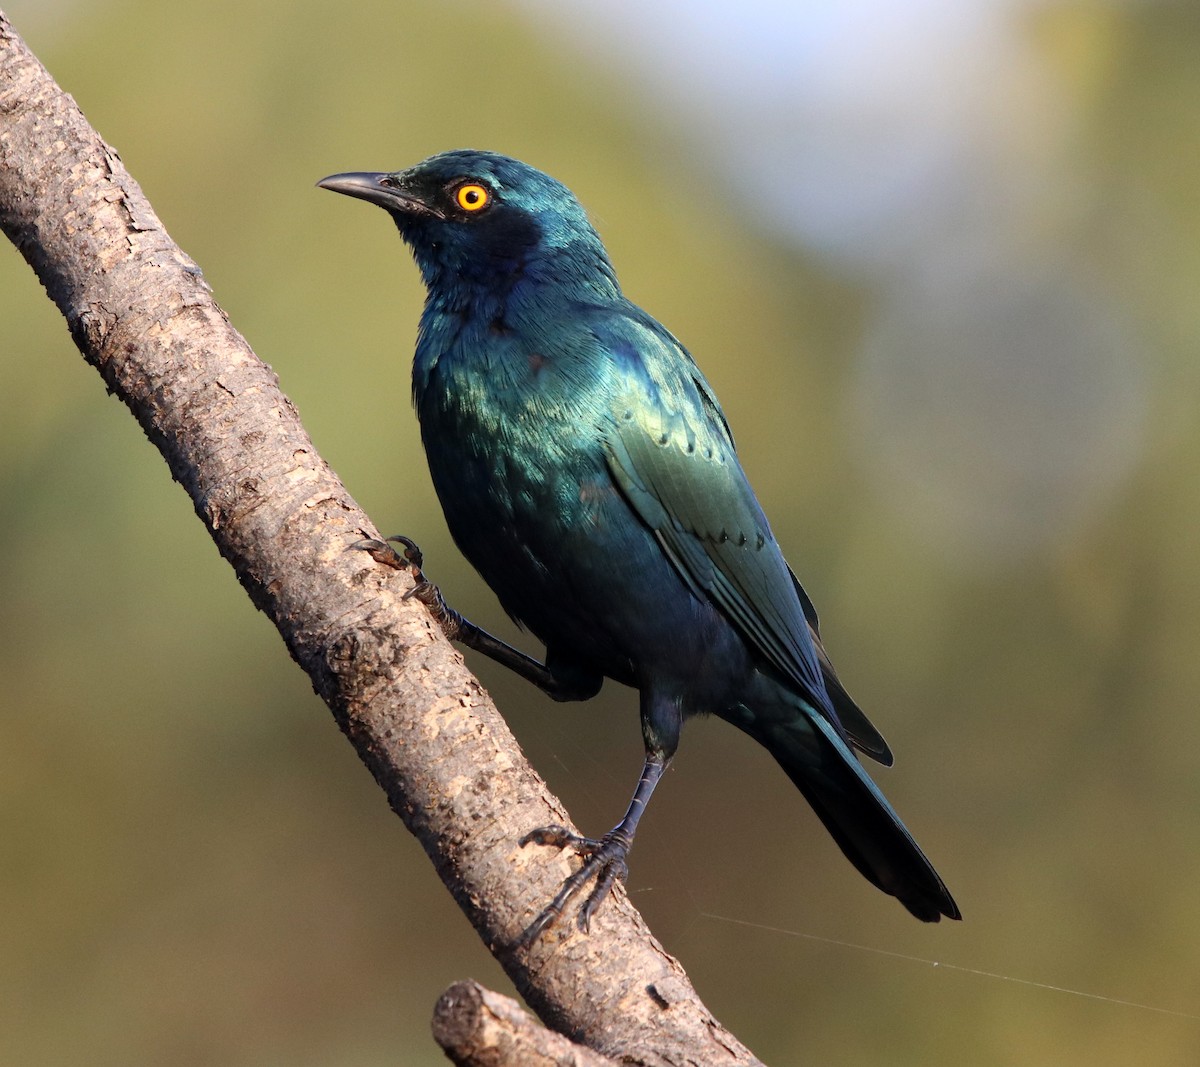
column 141, row 313
column 479, row 1028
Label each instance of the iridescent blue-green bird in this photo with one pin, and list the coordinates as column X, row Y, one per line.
column 587, row 472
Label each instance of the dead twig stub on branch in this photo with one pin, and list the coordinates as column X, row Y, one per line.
column 479, row 1028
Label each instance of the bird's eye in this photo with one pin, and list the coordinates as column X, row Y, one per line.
column 472, row 197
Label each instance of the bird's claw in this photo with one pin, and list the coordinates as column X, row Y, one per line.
column 381, row 552
column 603, row 860
column 423, row 589
column 560, row 837
column 413, row 555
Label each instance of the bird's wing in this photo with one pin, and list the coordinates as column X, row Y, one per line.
column 863, row 734
column 673, row 457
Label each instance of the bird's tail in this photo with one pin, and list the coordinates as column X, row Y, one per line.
column 856, row 813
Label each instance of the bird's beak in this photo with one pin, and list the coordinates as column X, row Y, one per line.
column 382, row 189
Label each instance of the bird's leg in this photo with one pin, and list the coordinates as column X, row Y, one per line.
column 457, row 628
column 603, row 859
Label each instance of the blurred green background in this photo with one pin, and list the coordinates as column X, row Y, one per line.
column 949, row 301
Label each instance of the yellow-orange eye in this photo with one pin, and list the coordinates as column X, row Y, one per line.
column 472, row 197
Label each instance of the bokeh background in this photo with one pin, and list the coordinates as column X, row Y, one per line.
column 941, row 261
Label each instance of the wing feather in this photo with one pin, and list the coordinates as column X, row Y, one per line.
column 673, row 457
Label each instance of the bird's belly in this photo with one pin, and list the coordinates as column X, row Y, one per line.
column 569, row 559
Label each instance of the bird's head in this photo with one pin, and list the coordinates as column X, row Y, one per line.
column 481, row 219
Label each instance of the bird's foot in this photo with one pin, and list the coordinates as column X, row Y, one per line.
column 424, row 590
column 603, row 860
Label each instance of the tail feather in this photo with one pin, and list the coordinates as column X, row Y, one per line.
column 857, row 814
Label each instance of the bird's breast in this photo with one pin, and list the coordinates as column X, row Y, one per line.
column 506, row 421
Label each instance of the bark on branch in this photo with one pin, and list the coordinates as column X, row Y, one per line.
column 141, row 313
